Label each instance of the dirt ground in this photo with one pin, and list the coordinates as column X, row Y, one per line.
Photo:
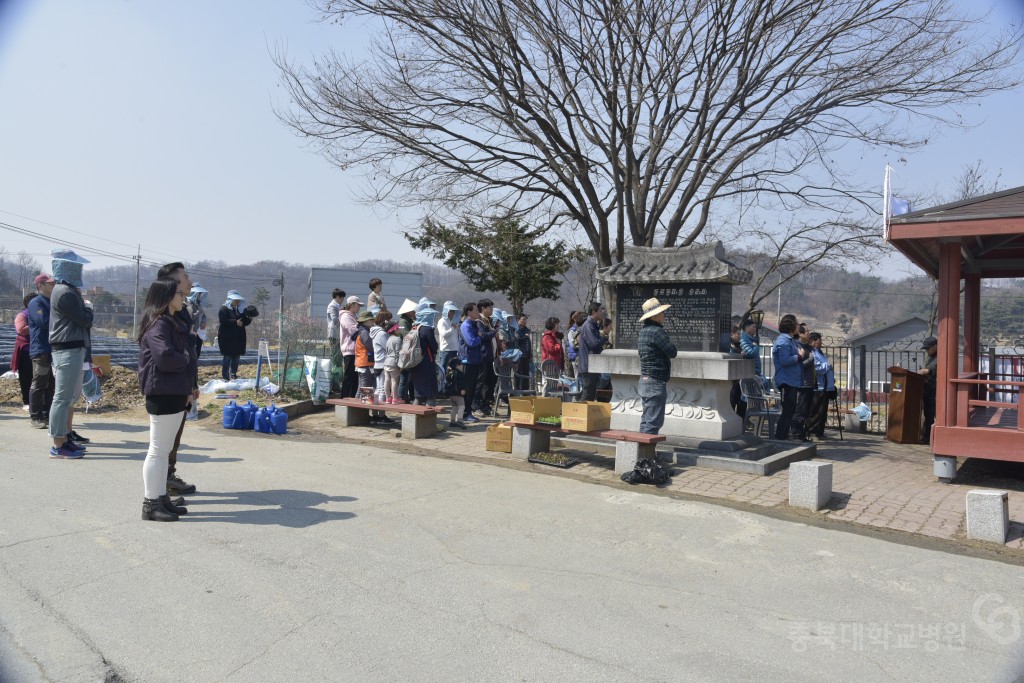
column 121, row 394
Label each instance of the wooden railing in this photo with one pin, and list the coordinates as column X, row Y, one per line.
column 968, row 388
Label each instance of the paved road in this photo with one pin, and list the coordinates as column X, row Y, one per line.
column 306, row 561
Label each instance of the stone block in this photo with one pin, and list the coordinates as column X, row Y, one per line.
column 418, row 426
column 988, row 515
column 526, row 442
column 854, row 424
column 810, row 484
column 628, row 452
column 352, row 417
column 944, row 467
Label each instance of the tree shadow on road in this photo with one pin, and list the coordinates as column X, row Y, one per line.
column 282, row 507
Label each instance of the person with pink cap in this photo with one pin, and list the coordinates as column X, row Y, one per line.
column 40, row 393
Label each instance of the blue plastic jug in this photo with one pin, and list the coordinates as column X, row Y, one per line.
column 278, row 421
column 250, row 415
column 262, row 422
column 229, row 415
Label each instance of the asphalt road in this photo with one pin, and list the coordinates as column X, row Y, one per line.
column 304, row 561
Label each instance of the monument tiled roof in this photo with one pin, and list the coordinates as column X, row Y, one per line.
column 676, row 264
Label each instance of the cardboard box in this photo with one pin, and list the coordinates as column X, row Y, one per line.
column 499, row 438
column 527, row 409
column 102, row 361
column 589, row 416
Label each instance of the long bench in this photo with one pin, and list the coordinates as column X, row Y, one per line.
column 529, row 439
column 417, row 421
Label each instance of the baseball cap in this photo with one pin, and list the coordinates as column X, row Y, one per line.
column 42, row 278
column 929, row 342
column 353, row 300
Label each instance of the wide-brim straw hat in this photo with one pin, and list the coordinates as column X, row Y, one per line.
column 653, row 307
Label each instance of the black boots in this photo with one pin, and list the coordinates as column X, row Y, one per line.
column 176, row 486
column 154, row 510
column 171, row 507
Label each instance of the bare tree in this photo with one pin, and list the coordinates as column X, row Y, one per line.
column 634, row 121
column 974, row 181
column 26, row 269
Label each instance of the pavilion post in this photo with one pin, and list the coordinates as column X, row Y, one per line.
column 949, row 331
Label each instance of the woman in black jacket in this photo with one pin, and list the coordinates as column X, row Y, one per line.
column 165, row 376
column 231, row 334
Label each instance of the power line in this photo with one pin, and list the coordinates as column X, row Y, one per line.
column 91, row 250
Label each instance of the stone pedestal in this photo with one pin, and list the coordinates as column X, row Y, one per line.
column 418, row 426
column 810, row 484
column 352, row 417
column 698, row 392
column 988, row 515
column 628, row 452
column 526, row 442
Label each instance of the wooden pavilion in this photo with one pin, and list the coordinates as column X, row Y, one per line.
column 968, row 241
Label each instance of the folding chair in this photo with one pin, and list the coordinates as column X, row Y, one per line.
column 757, row 406
column 506, row 384
column 553, row 383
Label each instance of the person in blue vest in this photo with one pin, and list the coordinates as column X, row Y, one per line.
column 40, row 393
column 787, row 357
column 824, row 390
column 470, row 343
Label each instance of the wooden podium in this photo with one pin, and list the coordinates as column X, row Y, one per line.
column 906, row 388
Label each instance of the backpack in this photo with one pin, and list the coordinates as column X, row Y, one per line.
column 410, row 355
column 573, row 337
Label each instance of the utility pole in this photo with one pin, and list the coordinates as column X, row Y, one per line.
column 135, row 308
column 279, row 282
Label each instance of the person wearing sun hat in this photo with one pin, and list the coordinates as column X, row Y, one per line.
column 406, row 318
column 656, row 354
column 70, row 322
column 424, row 375
column 231, row 334
column 446, row 330
column 195, row 308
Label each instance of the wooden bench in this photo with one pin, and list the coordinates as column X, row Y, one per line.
column 528, row 439
column 417, row 421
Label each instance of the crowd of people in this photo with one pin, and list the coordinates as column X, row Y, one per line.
column 804, row 376
column 380, row 354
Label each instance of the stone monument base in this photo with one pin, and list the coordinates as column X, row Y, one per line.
column 698, row 393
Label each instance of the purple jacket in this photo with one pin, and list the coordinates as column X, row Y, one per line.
column 166, row 367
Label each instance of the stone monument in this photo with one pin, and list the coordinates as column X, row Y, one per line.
column 698, row 282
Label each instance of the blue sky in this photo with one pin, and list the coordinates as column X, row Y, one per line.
column 153, row 123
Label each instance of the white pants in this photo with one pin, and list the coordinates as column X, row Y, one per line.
column 162, row 430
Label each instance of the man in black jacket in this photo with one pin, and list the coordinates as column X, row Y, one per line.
column 591, row 342
column 931, row 347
